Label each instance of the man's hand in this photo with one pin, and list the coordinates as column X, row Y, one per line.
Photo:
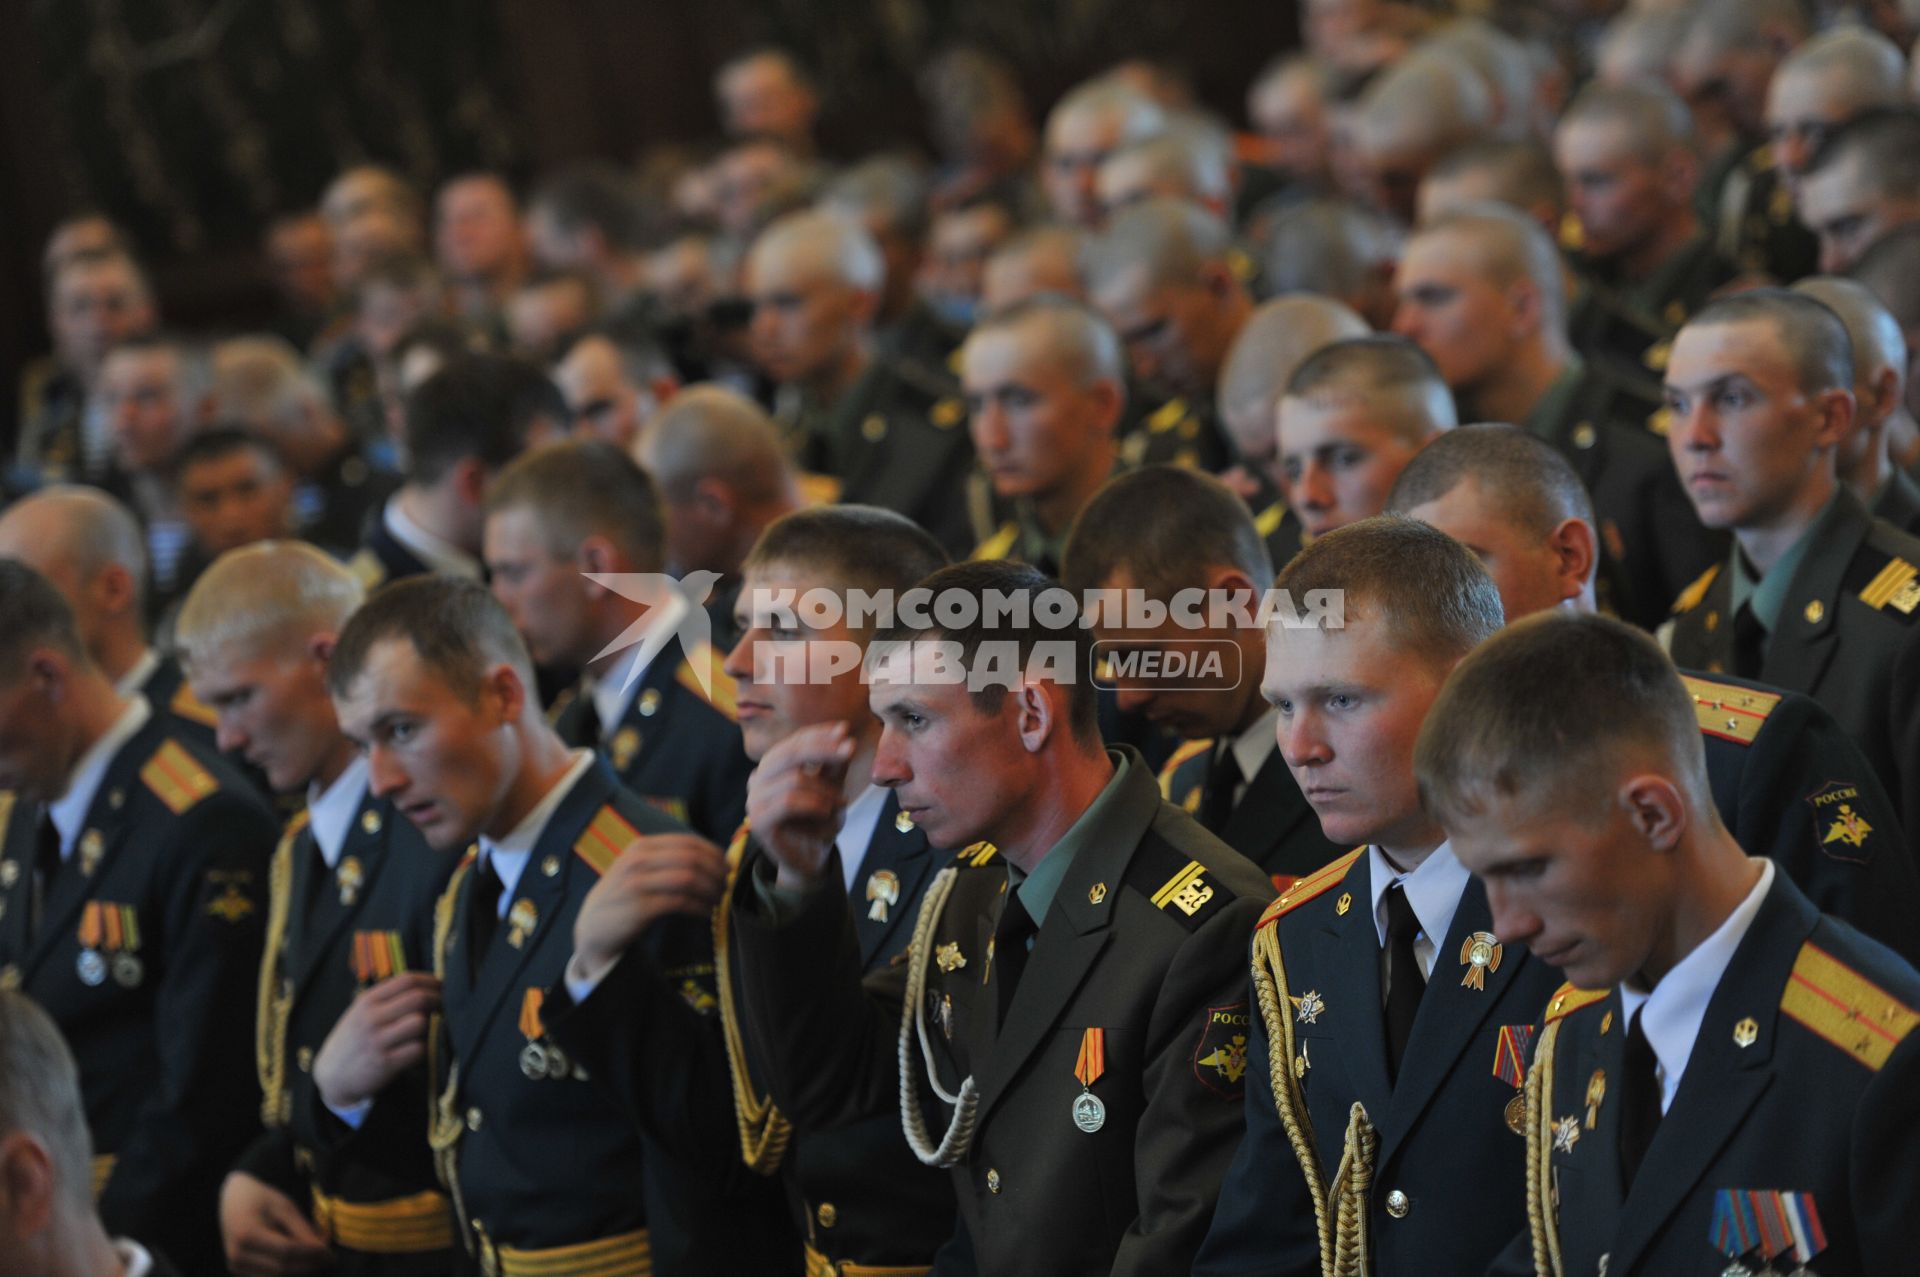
column 653, row 877
column 382, row 1035
column 266, row 1234
column 795, row 804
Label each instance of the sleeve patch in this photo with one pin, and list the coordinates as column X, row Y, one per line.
column 1220, row 1059
column 1838, row 825
column 1833, row 1001
column 177, row 778
column 1177, row 885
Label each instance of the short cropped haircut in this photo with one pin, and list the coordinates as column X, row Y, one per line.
column 1525, row 481
column 856, row 547
column 1549, row 712
column 1875, row 334
column 456, row 627
column 1886, row 143
column 1867, row 67
column 847, row 253
column 1429, row 593
column 1383, row 368
column 980, row 580
column 1175, row 241
column 1656, row 119
column 891, row 188
column 1809, row 331
column 1165, row 526
column 40, row 1095
column 596, row 195
column 261, row 594
column 98, row 531
column 480, row 406
column 1521, row 170
column 1891, row 269
column 219, row 442
column 581, row 488
column 1505, row 246
column 37, row 616
column 710, row 431
column 1087, row 343
column 1334, row 247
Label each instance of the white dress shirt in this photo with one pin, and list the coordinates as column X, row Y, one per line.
column 614, row 688
column 1433, row 890
column 330, row 810
column 69, row 811
column 441, row 556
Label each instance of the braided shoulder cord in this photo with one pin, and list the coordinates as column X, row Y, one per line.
column 1270, row 989
column 913, row 1020
column 1540, row 1208
column 276, row 999
column 1350, row 1185
column 764, row 1129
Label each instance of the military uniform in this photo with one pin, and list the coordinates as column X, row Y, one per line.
column 1434, row 1168
column 147, row 955
column 1899, row 503
column 1094, row 1124
column 1278, row 525
column 677, row 745
column 1009, row 530
column 1650, row 538
column 1270, row 824
column 1177, row 431
column 1846, row 636
column 1628, row 328
column 332, row 932
column 1754, row 222
column 1799, row 1096
column 338, row 505
column 548, row 1170
column 1790, row 785
column 381, row 558
column 52, row 410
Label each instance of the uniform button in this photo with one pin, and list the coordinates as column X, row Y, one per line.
column 827, row 1215
column 473, row 1119
column 1398, row 1205
column 303, row 1059
column 993, row 1180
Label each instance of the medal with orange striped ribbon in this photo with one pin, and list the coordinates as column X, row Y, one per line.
column 1089, row 1114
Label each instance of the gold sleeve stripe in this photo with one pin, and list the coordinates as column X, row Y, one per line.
column 1832, row 1000
column 1891, row 580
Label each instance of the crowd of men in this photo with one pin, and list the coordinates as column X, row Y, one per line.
column 421, row 853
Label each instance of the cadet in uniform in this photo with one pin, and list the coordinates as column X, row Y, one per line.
column 1162, row 531
column 546, row 1171
column 1864, row 461
column 133, row 869
column 570, row 530
column 1481, row 293
column 1378, row 983
column 1788, row 782
column 1085, row 1090
column 351, row 903
column 865, row 1204
column 1726, row 1082
column 1818, row 597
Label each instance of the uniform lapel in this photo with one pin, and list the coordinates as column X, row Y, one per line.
column 904, row 854
column 1804, row 638
column 1346, row 955
column 370, row 850
column 1588, row 1223
column 16, row 835
column 106, row 817
column 1269, row 811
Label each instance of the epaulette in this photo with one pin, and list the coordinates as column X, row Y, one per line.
column 1884, row 581
column 1167, row 416
column 190, row 707
column 367, row 569
column 1268, row 521
column 1567, row 999
column 606, row 836
column 1728, row 711
column 1185, row 751
column 1690, row 597
column 1833, row 1001
column 1572, row 235
column 7, row 798
column 1182, row 888
column 976, row 855
column 719, row 690
column 1661, row 422
column 177, row 778
column 997, row 546
column 947, row 412
column 1317, row 883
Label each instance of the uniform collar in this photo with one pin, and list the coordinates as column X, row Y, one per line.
column 330, row 810
column 135, row 679
column 1433, row 889
column 1670, row 1014
column 136, row 1258
column 1554, row 406
column 856, row 831
column 69, row 811
column 1768, row 594
column 1092, row 829
column 614, row 690
column 441, row 556
column 509, row 855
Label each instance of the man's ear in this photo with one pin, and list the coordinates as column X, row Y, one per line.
column 113, row 589
column 1577, row 551
column 1837, row 410
column 320, row 647
column 1656, row 808
column 470, row 479
column 501, row 683
column 597, row 554
column 1036, row 713
column 27, row 1189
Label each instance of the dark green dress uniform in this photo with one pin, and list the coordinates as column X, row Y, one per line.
column 332, row 933
column 1271, row 824
column 1627, row 328
column 1094, row 1122
column 1800, row 1096
column 1433, row 1181
column 1847, row 635
column 1899, row 503
column 1177, row 431
column 1792, row 786
column 1009, row 530
column 1651, row 541
column 1754, row 222
column 677, row 745
column 548, row 1170
column 1278, row 525
column 147, row 955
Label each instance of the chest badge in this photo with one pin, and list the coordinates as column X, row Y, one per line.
column 350, row 877
column 521, row 920
column 1480, row 953
column 622, row 749
column 883, row 892
column 949, row 958
column 1308, row 1006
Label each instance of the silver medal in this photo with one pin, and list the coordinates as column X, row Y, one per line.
column 558, row 1065
column 1089, row 1114
column 92, row 968
column 127, row 970
column 533, row 1061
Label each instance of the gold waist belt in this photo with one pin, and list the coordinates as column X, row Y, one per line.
column 410, row 1225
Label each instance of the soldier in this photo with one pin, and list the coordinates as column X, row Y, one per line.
column 1354, row 413
column 1085, row 1096
column 1781, row 768
column 1163, row 275
column 234, row 489
column 1710, row 1007
column 1161, row 531
column 88, row 547
column 1191, row 161
column 1818, row 596
column 48, row 1224
column 584, row 219
column 1042, row 259
column 887, row 196
column 723, row 477
column 351, row 903
column 764, row 93
column 1625, row 153
column 864, row 1202
column 1824, row 83
column 1415, row 111
column 464, row 424
column 1336, row 249
column 1377, row 983
column 572, row 530
column 153, row 393
column 889, row 436
column 1861, row 183
column 1270, row 347
column 373, row 214
column 1519, row 174
column 1891, row 269
column 1864, row 460
column 1083, row 129
column 1482, row 293
column 1287, row 105
column 613, row 385
column 548, row 1172
column 95, row 301
column 960, row 239
column 479, row 244
column 135, row 868
column 1045, row 389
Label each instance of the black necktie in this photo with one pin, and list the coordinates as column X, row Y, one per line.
column 1216, row 805
column 1405, row 983
column 1639, row 1102
column 1010, row 948
column 46, row 869
column 1749, row 643
column 589, row 718
column 483, row 913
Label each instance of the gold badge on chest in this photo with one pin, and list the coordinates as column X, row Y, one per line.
column 350, row 877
